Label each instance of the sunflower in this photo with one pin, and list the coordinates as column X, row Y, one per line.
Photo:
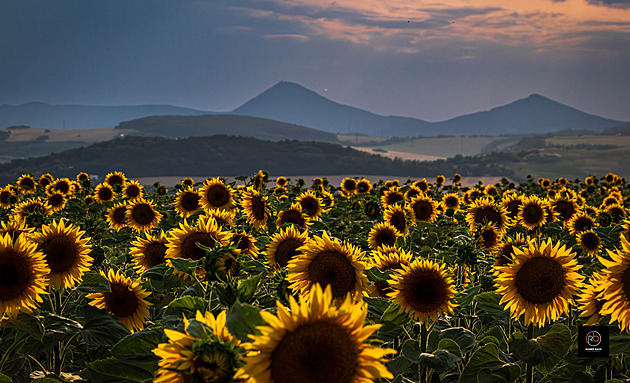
column 512, row 204
column 187, row 182
column 245, row 243
column 488, row 237
column 133, row 190
column 23, row 273
column 382, row 234
column 328, row 262
column 617, row 212
column 56, row 201
column 387, row 258
column 141, row 215
column 423, row 208
column 439, row 180
column 27, row 183
column 491, row 191
column 256, row 208
column 259, row 179
column 399, row 218
column 457, row 178
column 610, row 200
column 88, row 200
column 66, row 251
column 115, row 178
column 565, row 206
column 317, row 340
column 581, row 221
column 610, row 178
column 540, row 283
column 45, row 180
column 591, row 299
column 589, row 242
column 505, row 250
column 204, row 352
column 7, row 198
column 471, row 196
column 364, row 186
column 283, row 246
column 281, row 182
column 311, row 204
column 15, row 228
column 227, row 264
column 117, row 216
column 224, row 218
column 423, row 290
column 293, row 215
column 187, row 202
column 412, row 193
column 81, row 177
column 616, row 285
column 30, row 207
column 451, row 201
column 532, row 213
column 61, row 185
column 148, row 252
column 348, row 187
column 104, row 192
column 215, row 194
column 391, row 196
column 328, row 199
column 484, row 210
column 125, row 300
column 422, row 185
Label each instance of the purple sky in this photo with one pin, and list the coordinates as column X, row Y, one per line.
column 428, row 59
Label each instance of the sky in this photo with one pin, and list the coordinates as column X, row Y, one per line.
column 429, row 59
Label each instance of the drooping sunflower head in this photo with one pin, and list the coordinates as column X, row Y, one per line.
column 327, row 199
column 364, row 186
column 581, row 221
column 245, row 243
column 326, row 261
column 148, row 252
column 348, row 187
column 382, row 234
column 589, row 242
column 45, row 180
column 311, row 204
column 491, row 191
column 488, row 237
column 398, row 217
column 115, row 179
column 259, row 179
column 412, row 193
column 424, row 290
column 215, row 194
column 141, row 215
column 26, row 183
column 187, row 202
column 125, row 300
column 532, row 213
column 255, row 207
column 32, row 211
column 484, row 210
column 540, row 283
column 66, row 251
column 457, row 178
column 117, row 216
column 423, row 208
column 205, row 352
column 293, row 215
column 316, row 341
column 617, row 212
column 187, row 182
column 104, row 192
column 391, row 196
column 224, row 218
column 387, row 258
column 23, row 272
column 133, row 190
column 283, row 246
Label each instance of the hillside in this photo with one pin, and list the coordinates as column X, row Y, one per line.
column 223, row 155
column 209, row 125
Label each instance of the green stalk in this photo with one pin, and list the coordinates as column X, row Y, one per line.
column 530, row 369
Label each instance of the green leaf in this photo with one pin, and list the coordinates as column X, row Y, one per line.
column 188, row 266
column 545, row 351
column 137, row 349
column 26, row 323
column 489, row 302
column 242, row 320
column 100, row 327
column 398, row 365
column 619, row 344
column 179, row 307
column 112, row 370
column 375, row 275
column 463, row 337
column 247, row 288
column 58, row 325
column 93, row 282
column 465, row 297
column 509, row 372
column 46, row 379
column 5, row 379
column 439, row 360
column 411, row 350
column 484, row 357
column 377, row 306
column 394, row 315
column 451, row 346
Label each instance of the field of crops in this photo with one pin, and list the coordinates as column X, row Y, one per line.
column 277, row 280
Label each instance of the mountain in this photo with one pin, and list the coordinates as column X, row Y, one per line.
column 45, row 116
column 210, row 125
column 533, row 114
column 293, row 103
column 290, row 102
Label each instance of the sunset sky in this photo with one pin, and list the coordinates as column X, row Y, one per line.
column 428, row 59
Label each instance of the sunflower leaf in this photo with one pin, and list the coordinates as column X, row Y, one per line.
column 464, row 338
column 545, row 351
column 247, row 288
column 375, row 275
column 112, row 370
column 27, row 323
column 100, row 327
column 5, row 379
column 439, row 360
column 93, row 282
column 136, row 349
column 187, row 305
column 394, row 315
column 242, row 320
column 188, row 266
column 484, row 357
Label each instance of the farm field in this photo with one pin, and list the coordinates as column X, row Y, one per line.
column 384, row 280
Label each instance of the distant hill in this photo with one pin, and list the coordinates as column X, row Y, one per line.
column 293, row 103
column 223, row 155
column 209, row 125
column 623, row 130
column 45, row 116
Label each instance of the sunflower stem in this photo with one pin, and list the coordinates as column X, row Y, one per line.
column 57, row 360
column 530, row 370
column 423, row 349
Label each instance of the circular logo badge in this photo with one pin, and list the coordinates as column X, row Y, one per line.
column 593, row 338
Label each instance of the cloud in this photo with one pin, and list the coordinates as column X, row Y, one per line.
column 611, row 3
column 287, row 37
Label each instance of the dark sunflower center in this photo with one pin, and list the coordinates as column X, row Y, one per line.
column 258, row 208
column 119, row 214
column 132, row 191
column 394, row 197
column 385, row 237
column 143, row 214
column 154, row 254
column 105, row 194
column 489, row 238
column 243, row 242
column 625, row 283
column 315, row 353
column 218, row 195
column 55, row 200
column 189, row 248
column 4, row 196
column 292, row 216
column 533, row 214
column 488, row 214
column 286, row 250
column 512, row 208
column 61, row 253
column 190, row 201
column 582, row 224
column 451, row 202
column 62, row 187
column 121, row 301
column 399, row 221
column 423, row 210
column 334, row 269
column 423, row 186
column 363, row 187
column 425, row 290
column 349, row 185
column 28, row 183
column 540, row 280
column 617, row 213
column 115, row 180
column 590, row 240
column 565, row 208
column 15, row 275
column 309, row 205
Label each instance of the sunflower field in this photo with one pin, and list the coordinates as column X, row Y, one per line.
column 275, row 280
